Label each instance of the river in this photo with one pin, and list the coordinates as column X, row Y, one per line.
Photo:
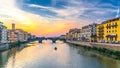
column 35, row 55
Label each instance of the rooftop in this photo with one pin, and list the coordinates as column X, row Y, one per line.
column 110, row 20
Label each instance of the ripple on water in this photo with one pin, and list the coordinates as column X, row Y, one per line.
column 44, row 56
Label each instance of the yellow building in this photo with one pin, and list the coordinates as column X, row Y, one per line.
column 109, row 31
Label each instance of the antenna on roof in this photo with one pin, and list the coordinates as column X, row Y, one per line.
column 118, row 11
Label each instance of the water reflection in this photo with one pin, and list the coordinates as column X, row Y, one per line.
column 35, row 55
column 105, row 62
column 4, row 56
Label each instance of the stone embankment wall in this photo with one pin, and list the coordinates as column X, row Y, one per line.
column 101, row 45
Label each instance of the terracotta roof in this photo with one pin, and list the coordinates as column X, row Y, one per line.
column 113, row 19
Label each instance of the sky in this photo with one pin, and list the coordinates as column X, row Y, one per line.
column 56, row 17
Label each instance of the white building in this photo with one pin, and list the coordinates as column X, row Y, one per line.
column 86, row 33
column 89, row 32
column 4, row 33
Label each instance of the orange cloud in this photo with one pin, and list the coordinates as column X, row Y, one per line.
column 33, row 23
column 42, row 27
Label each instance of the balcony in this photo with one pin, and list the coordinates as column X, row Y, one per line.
column 100, row 30
column 111, row 35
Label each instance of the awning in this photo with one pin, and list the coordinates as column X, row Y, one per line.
column 111, row 35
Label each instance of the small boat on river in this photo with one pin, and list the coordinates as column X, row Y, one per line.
column 55, row 48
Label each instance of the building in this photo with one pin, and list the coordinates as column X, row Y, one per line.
column 73, row 34
column 33, row 37
column 77, row 34
column 108, row 31
column 80, row 34
column 12, row 36
column 3, row 33
column 86, row 33
column 93, row 32
column 17, row 35
column 25, row 36
column 62, row 37
column 22, row 35
column 13, row 26
column 67, row 36
column 89, row 32
column 29, row 36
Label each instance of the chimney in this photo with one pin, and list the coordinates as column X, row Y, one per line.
column 13, row 26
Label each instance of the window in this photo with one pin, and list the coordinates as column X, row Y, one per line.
column 112, row 30
column 113, row 24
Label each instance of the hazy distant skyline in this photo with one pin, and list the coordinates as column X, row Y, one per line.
column 55, row 17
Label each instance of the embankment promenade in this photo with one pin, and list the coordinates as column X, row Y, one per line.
column 93, row 44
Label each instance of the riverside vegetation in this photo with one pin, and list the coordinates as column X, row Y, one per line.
column 102, row 51
column 12, row 45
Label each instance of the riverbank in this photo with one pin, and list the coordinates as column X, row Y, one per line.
column 7, row 46
column 4, row 47
column 107, row 50
column 102, row 45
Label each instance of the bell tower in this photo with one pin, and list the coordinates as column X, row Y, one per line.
column 13, row 26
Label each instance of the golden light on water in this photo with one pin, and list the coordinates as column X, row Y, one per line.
column 35, row 55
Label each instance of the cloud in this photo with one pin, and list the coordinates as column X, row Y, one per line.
column 66, row 12
column 32, row 23
column 9, row 10
column 79, row 11
column 75, row 13
column 77, row 8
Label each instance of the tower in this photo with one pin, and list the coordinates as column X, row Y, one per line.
column 13, row 26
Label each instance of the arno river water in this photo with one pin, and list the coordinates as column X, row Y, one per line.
column 35, row 55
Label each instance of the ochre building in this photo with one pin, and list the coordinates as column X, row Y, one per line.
column 109, row 31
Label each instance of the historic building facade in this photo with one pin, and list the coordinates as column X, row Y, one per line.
column 89, row 32
column 3, row 33
column 17, row 35
column 108, row 31
column 73, row 34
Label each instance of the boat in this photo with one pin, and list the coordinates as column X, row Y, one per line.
column 55, row 48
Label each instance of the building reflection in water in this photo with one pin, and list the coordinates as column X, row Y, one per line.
column 43, row 55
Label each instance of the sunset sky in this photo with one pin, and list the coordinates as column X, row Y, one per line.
column 55, row 17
